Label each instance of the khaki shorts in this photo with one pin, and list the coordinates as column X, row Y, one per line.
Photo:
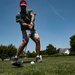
column 29, row 34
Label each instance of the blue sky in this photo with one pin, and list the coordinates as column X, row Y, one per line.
column 55, row 22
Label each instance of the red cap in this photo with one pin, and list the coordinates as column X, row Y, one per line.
column 23, row 3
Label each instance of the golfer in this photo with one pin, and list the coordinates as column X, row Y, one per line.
column 26, row 20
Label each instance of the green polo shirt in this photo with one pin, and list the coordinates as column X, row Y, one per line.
column 26, row 17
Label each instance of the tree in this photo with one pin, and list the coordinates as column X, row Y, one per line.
column 7, row 51
column 50, row 49
column 31, row 54
column 72, row 45
column 3, row 52
column 11, row 50
column 28, row 53
column 57, row 51
column 43, row 52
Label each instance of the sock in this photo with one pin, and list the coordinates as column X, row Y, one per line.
column 16, row 56
column 37, row 56
column 40, row 57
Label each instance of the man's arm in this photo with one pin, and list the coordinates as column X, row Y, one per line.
column 22, row 22
column 32, row 17
column 32, row 20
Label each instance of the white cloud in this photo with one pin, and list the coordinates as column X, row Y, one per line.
column 56, row 12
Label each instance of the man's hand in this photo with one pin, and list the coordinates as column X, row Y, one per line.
column 31, row 25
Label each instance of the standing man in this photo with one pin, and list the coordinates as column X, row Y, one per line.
column 26, row 20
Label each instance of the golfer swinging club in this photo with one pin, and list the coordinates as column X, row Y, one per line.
column 26, row 20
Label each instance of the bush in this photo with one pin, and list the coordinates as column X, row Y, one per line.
column 58, row 55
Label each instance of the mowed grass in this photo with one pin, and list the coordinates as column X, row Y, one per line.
column 50, row 66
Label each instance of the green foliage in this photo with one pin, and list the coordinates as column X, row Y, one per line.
column 72, row 45
column 3, row 52
column 33, row 54
column 57, row 51
column 43, row 52
column 11, row 50
column 50, row 49
column 30, row 54
column 59, row 55
column 7, row 51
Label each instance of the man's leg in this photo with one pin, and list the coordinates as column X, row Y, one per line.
column 21, row 47
column 37, row 42
column 36, row 39
column 24, row 43
column 38, row 56
column 19, row 51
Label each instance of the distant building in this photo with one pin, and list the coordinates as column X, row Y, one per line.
column 64, row 51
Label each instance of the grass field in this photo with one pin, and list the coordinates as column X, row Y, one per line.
column 50, row 66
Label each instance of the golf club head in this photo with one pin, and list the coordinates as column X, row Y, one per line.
column 17, row 64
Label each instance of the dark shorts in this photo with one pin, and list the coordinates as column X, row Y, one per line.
column 29, row 34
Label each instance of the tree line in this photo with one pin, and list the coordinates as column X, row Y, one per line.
column 10, row 50
column 7, row 51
